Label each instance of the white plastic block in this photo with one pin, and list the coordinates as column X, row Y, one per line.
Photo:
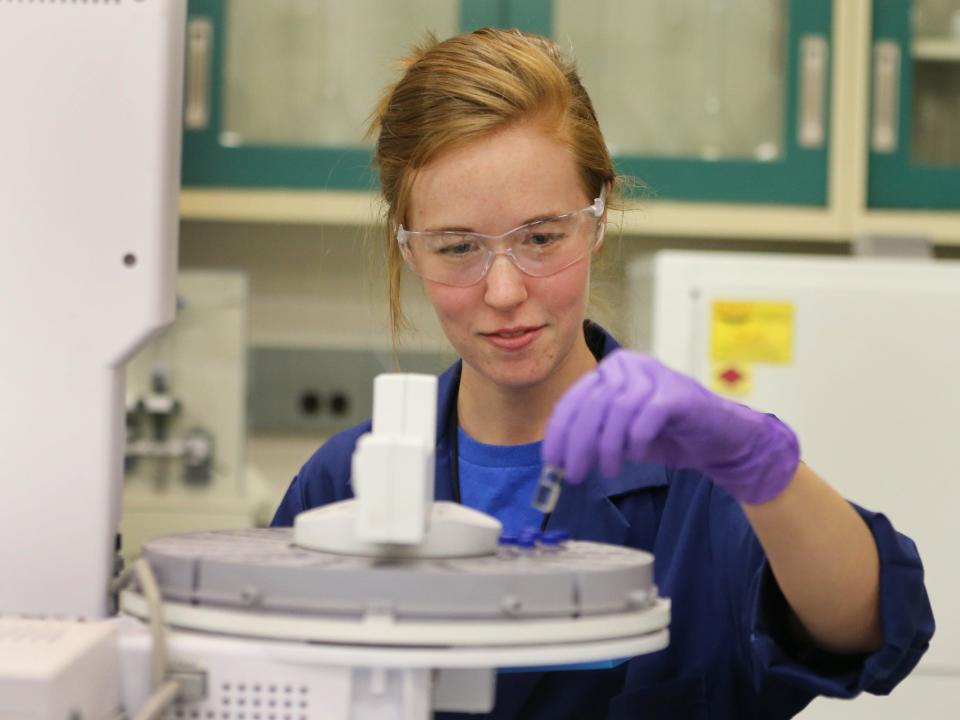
column 406, row 404
column 392, row 475
column 464, row 689
column 421, row 408
column 453, row 531
column 54, row 669
column 389, row 394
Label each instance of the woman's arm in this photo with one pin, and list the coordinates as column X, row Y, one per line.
column 822, row 554
column 825, row 561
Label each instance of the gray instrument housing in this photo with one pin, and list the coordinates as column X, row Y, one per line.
column 261, row 569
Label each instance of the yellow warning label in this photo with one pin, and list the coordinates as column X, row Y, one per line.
column 732, row 379
column 751, row 331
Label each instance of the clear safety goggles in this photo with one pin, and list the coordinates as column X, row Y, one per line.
column 539, row 248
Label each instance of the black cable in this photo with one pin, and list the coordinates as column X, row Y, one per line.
column 453, row 427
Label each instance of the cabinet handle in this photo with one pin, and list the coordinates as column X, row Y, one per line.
column 886, row 96
column 813, row 75
column 196, row 115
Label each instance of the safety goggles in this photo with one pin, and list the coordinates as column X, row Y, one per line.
column 539, row 248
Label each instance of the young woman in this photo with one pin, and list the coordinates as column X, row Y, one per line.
column 496, row 178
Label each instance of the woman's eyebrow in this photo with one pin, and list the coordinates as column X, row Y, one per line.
column 451, row 228
column 464, row 229
column 544, row 216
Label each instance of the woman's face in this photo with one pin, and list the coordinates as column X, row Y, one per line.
column 512, row 329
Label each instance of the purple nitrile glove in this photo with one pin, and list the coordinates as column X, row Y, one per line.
column 631, row 407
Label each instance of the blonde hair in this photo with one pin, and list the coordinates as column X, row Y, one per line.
column 466, row 87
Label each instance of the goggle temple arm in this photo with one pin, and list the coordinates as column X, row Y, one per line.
column 599, row 203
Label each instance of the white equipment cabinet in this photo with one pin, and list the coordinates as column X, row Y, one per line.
column 860, row 357
column 89, row 156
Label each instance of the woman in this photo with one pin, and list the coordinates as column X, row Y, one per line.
column 496, row 178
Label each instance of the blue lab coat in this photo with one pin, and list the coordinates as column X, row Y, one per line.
column 732, row 652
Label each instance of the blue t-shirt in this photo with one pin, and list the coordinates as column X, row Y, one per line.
column 500, row 480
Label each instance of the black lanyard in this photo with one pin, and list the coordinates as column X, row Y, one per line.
column 453, row 427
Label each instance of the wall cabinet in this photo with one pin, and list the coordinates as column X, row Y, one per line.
column 794, row 119
column 711, row 101
column 915, row 128
column 278, row 93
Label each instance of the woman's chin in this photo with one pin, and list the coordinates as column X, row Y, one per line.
column 516, row 375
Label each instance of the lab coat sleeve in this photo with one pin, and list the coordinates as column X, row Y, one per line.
column 324, row 478
column 773, row 656
column 293, row 502
column 309, row 488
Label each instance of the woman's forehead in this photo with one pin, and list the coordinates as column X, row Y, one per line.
column 506, row 177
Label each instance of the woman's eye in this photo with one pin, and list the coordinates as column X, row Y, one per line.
column 542, row 239
column 458, row 249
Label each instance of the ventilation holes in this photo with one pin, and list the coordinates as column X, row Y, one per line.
column 248, row 701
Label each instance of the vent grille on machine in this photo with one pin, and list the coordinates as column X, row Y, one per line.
column 247, row 701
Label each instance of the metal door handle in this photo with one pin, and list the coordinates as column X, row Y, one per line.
column 814, row 52
column 196, row 114
column 886, row 96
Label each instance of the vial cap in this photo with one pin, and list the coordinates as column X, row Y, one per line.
column 557, row 536
column 526, row 542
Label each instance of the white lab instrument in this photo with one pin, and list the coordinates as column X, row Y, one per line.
column 52, row 668
column 220, row 623
column 860, row 356
column 185, row 468
column 386, row 612
column 393, row 513
column 88, row 220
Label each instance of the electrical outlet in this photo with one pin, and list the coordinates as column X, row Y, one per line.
column 307, row 390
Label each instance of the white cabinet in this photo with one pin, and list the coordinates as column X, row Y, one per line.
column 919, row 696
column 860, row 357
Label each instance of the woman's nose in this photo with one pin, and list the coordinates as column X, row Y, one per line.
column 506, row 284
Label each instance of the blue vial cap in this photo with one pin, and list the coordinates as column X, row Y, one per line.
column 508, row 539
column 556, row 536
column 530, row 532
column 526, row 542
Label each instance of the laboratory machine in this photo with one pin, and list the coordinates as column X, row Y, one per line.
column 186, row 419
column 386, row 606
column 859, row 355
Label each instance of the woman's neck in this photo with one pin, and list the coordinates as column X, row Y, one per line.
column 500, row 415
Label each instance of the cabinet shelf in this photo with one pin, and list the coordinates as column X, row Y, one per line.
column 651, row 219
column 307, row 207
column 937, row 50
column 828, row 193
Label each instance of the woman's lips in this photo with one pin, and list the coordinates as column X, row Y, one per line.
column 515, row 338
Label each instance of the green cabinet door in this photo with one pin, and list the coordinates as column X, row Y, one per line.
column 726, row 100
column 278, row 93
column 915, row 106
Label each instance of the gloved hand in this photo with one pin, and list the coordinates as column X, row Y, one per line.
column 632, row 407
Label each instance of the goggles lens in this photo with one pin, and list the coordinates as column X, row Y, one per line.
column 540, row 248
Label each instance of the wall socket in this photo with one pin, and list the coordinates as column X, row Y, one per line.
column 322, row 391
